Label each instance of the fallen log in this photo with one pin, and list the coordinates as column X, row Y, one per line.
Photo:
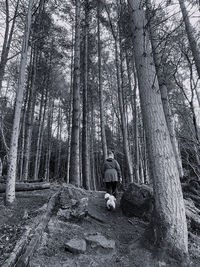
column 25, row 258
column 18, row 249
column 21, row 244
column 26, row 186
column 36, row 181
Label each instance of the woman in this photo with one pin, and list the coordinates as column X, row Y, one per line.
column 111, row 173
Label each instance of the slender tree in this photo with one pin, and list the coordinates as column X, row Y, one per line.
column 74, row 171
column 85, row 149
column 30, row 116
column 10, row 186
column 7, row 39
column 101, row 99
column 191, row 37
column 70, row 107
column 115, row 35
column 41, row 118
column 49, row 138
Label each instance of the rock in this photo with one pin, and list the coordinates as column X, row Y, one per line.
column 70, row 193
column 64, row 213
column 138, row 201
column 64, row 229
column 73, row 203
column 99, row 240
column 76, row 246
column 79, row 210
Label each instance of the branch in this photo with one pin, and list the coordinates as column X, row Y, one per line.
column 182, row 89
column 14, row 55
column 110, row 22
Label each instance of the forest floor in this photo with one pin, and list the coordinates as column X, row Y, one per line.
column 121, row 236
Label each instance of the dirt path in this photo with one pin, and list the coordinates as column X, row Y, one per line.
column 112, row 225
column 123, row 235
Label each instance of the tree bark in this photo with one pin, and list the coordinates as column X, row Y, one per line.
column 59, row 140
column 70, row 109
column 30, row 117
column 120, row 97
column 163, row 88
column 93, row 178
column 74, row 171
column 21, row 157
column 171, row 226
column 137, row 157
column 122, row 117
column 40, row 124
column 10, row 188
column 7, row 40
column 1, row 168
column 85, row 143
column 101, row 101
column 191, row 38
column 49, row 134
column 133, row 99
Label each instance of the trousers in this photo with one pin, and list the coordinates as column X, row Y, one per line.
column 111, row 188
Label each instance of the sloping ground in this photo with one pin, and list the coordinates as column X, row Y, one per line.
column 122, row 245
column 13, row 220
column 102, row 238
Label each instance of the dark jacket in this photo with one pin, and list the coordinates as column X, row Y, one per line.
column 111, row 170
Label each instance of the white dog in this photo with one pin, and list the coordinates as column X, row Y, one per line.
column 110, row 201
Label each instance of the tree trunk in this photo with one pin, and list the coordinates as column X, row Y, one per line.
column 59, row 140
column 146, row 165
column 74, row 170
column 163, row 89
column 42, row 135
column 40, row 124
column 85, row 143
column 70, row 109
column 7, row 41
column 30, row 118
column 101, row 101
column 171, row 226
column 49, row 130
column 120, row 98
column 1, row 168
column 21, row 158
column 122, row 117
column 133, row 99
column 191, row 38
column 93, row 178
column 10, row 188
column 22, row 128
column 137, row 157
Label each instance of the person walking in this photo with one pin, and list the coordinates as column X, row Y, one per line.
column 111, row 174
